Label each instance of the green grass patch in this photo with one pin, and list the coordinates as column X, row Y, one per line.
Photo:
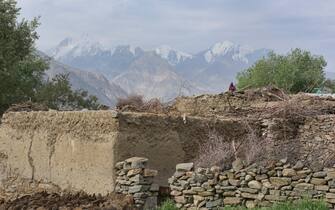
column 168, row 205
column 297, row 205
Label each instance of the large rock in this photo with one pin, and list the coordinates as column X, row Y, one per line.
column 136, row 188
column 330, row 174
column 280, row 181
column 212, row 204
column 320, row 174
column 298, row 166
column 330, row 195
column 134, row 171
column 248, row 190
column 136, row 162
column 275, row 198
column 318, row 181
column 259, row 196
column 182, row 167
column 321, row 188
column 232, row 201
column 289, row 172
column 255, row 184
column 180, row 199
column 304, row 186
column 250, row 204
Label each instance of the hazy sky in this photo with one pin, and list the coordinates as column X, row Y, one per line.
column 190, row 25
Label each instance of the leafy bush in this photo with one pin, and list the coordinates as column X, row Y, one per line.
column 57, row 94
column 298, row 71
column 298, row 205
column 168, row 205
column 22, row 69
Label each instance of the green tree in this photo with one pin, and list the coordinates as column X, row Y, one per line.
column 57, row 94
column 21, row 70
column 295, row 72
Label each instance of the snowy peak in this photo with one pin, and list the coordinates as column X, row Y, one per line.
column 70, row 47
column 171, row 55
column 227, row 48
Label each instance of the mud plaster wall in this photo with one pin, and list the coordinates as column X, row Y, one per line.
column 168, row 140
column 78, row 150
column 70, row 149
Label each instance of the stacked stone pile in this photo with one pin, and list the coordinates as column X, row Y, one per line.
column 135, row 179
column 209, row 188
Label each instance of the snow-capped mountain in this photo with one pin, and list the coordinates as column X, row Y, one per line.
column 155, row 73
column 236, row 52
column 73, row 48
column 217, row 66
column 173, row 56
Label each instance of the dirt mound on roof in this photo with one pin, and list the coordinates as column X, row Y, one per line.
column 27, row 107
column 79, row 201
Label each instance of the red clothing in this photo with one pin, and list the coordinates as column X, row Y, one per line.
column 232, row 87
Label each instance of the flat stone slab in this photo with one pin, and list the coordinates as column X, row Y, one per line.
column 184, row 166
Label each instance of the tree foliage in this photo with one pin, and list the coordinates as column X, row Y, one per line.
column 22, row 70
column 57, row 94
column 295, row 72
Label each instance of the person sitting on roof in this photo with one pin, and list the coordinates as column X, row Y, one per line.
column 232, row 88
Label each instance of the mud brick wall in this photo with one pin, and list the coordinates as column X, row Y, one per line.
column 251, row 186
column 78, row 150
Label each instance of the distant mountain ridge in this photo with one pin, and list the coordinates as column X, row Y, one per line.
column 96, row 84
column 163, row 72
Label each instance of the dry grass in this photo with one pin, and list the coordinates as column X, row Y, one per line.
column 291, row 112
column 218, row 150
column 136, row 103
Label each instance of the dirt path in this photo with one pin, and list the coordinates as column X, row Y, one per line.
column 79, row 201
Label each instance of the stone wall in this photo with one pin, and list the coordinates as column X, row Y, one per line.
column 135, row 179
column 208, row 188
column 317, row 137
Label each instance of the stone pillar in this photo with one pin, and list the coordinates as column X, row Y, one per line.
column 135, row 179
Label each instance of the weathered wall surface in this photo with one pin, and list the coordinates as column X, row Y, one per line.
column 168, row 140
column 71, row 149
column 77, row 150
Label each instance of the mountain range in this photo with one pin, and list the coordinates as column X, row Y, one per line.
column 162, row 73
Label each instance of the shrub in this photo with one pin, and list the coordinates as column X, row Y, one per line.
column 216, row 151
column 168, row 205
column 222, row 152
column 138, row 104
column 135, row 101
column 297, row 71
